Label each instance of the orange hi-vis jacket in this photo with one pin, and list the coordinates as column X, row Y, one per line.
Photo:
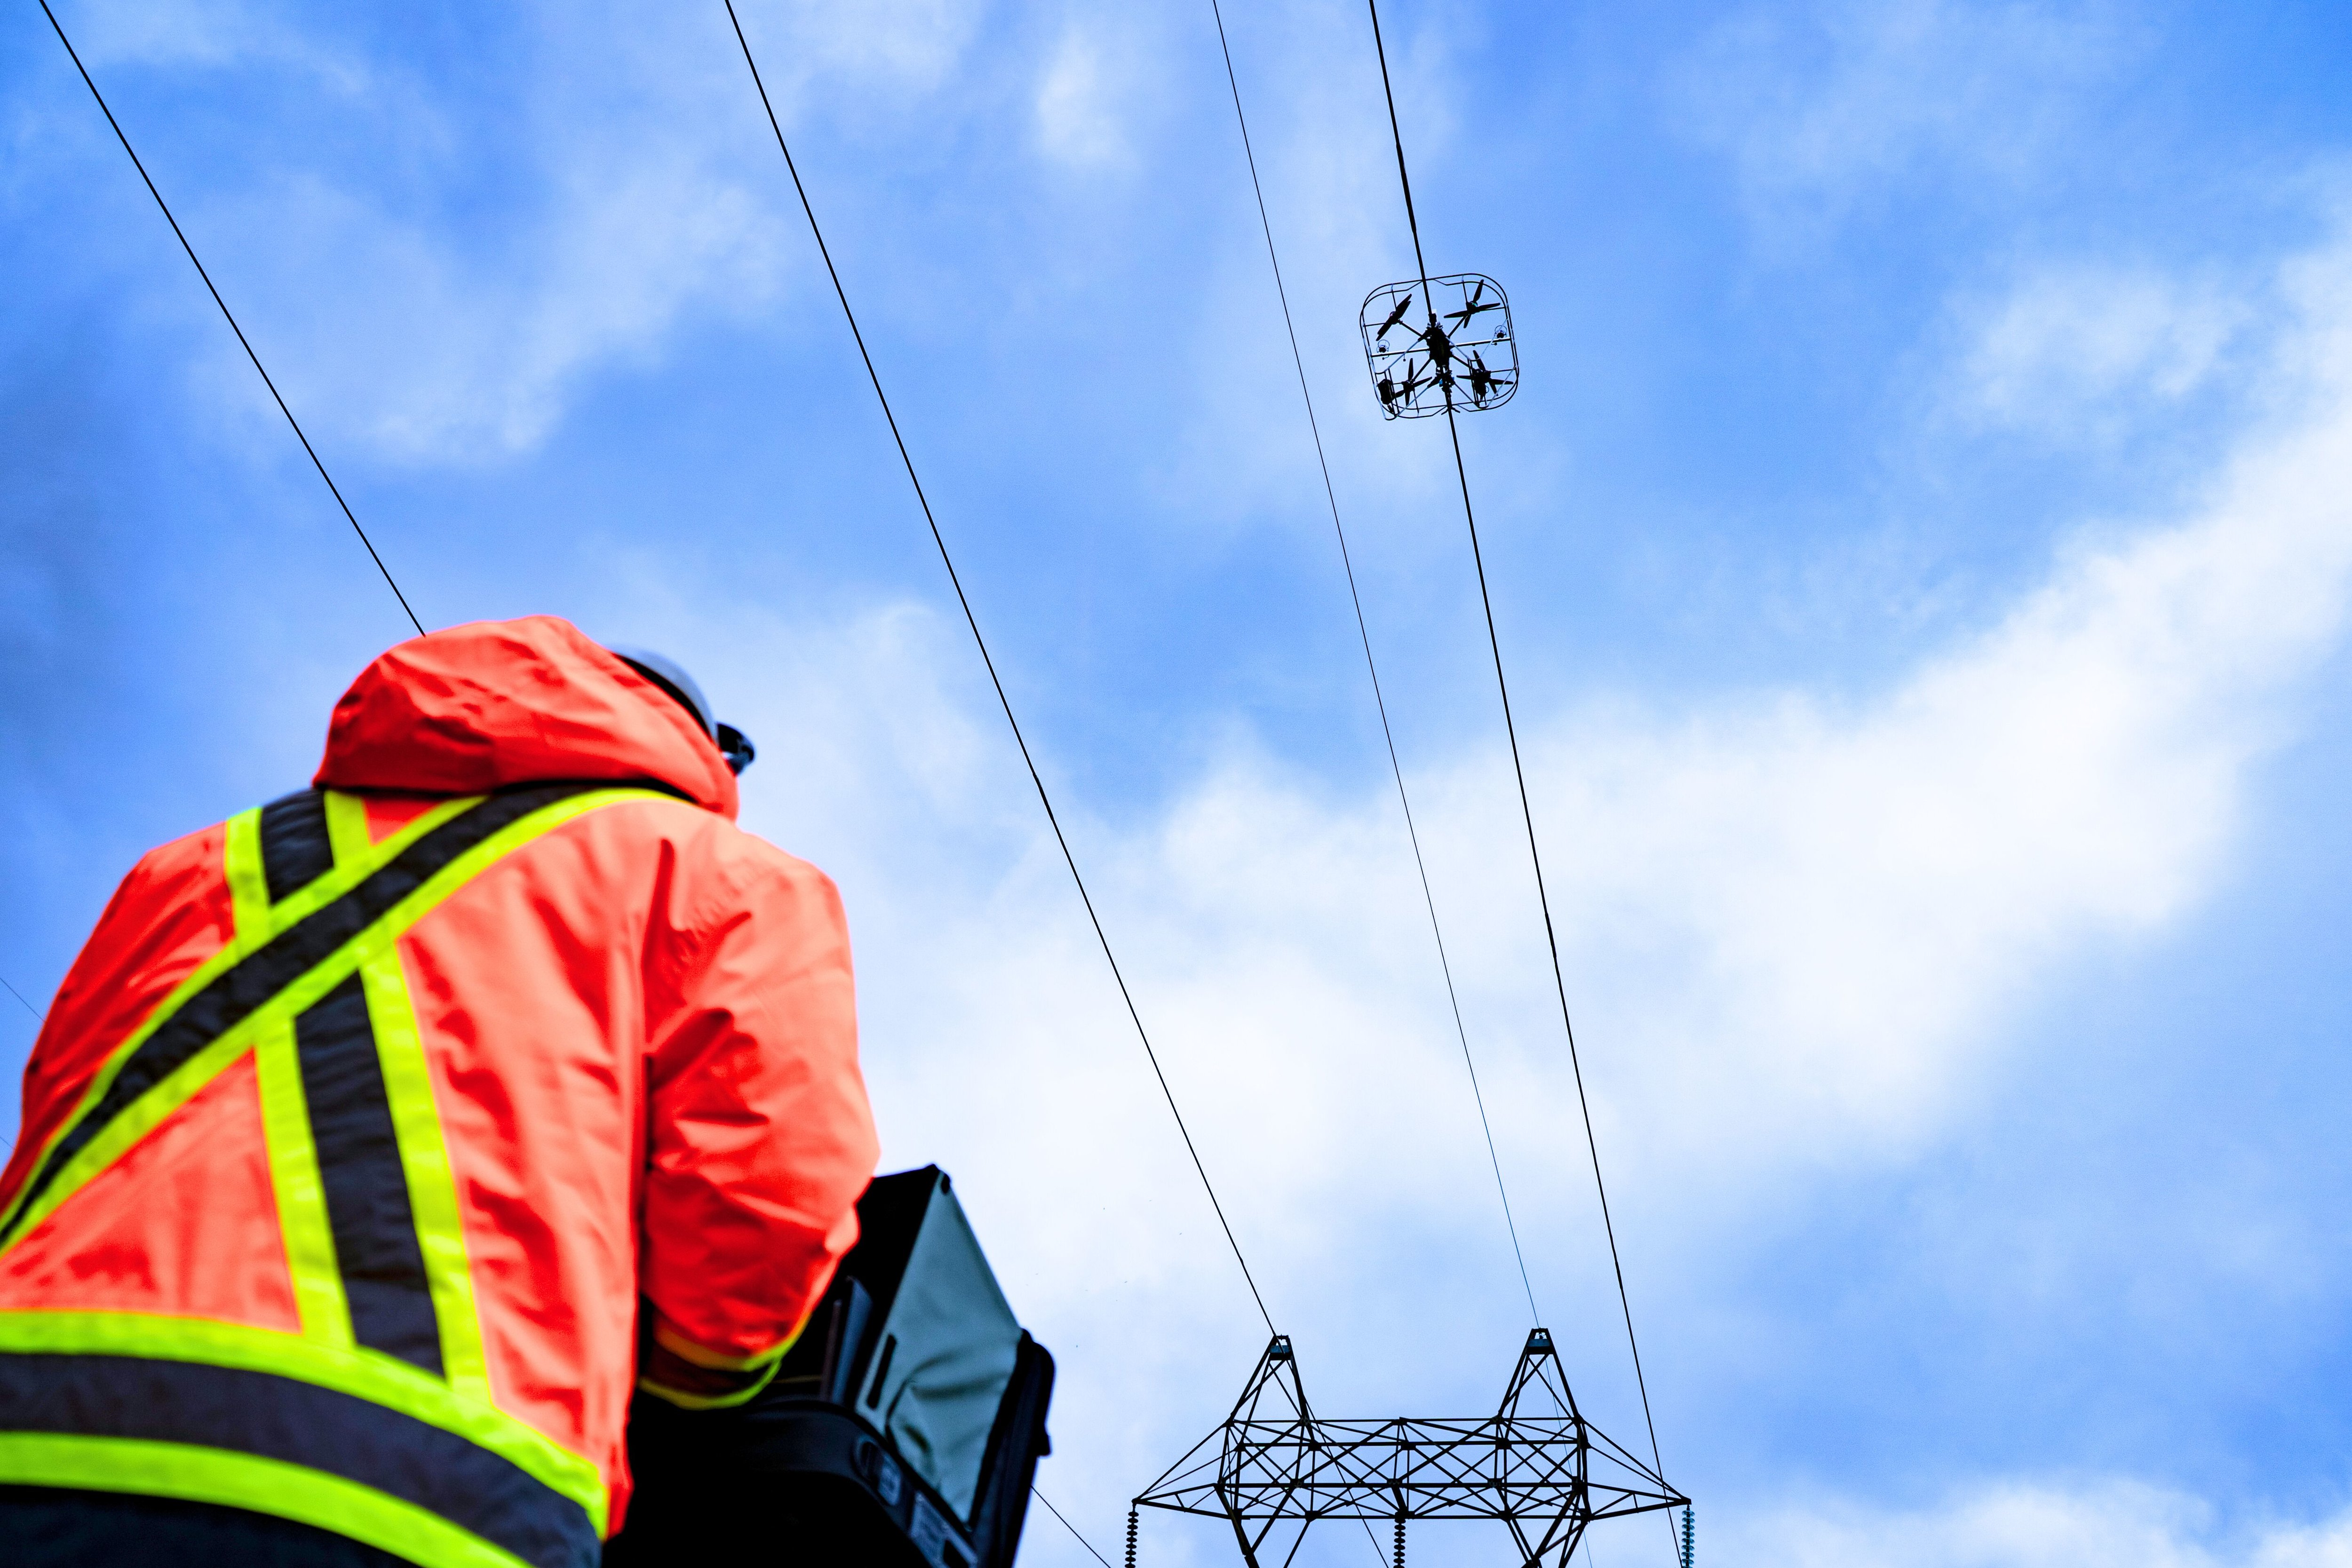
column 375, row 1128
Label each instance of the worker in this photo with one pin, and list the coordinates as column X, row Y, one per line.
column 382, row 1138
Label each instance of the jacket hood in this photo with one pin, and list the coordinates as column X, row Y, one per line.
column 482, row 707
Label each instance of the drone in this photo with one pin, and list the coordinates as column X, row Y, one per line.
column 1434, row 370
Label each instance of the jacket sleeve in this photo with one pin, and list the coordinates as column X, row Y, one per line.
column 760, row 1138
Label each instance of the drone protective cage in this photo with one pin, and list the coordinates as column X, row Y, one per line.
column 1440, row 345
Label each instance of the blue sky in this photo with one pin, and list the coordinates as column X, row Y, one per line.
column 1921, row 545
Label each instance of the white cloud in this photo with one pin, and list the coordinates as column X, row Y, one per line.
column 1079, row 94
column 1852, row 97
column 423, row 353
column 2114, row 1525
column 2071, row 349
column 206, row 35
column 909, row 43
column 445, row 303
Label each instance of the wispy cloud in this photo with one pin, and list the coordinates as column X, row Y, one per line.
column 909, row 45
column 2114, row 1525
column 1839, row 103
column 217, row 35
column 2074, row 350
column 1080, row 96
column 448, row 307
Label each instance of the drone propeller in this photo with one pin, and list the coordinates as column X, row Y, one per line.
column 1484, row 382
column 1472, row 306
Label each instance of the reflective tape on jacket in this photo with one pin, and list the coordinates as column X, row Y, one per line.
column 376, row 1418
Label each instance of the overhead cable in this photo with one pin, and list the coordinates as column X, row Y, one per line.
column 227, row 316
column 1003, row 701
column 1068, row 1526
column 19, row 995
column 1519, row 771
column 38, row 1015
column 1364, row 636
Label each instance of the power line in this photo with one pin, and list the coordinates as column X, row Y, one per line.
column 1068, row 1526
column 231, row 319
column 19, row 995
column 1002, row 701
column 37, row 1014
column 1519, row 771
column 1364, row 635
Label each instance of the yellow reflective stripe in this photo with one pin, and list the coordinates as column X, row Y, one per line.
column 300, row 997
column 713, row 1360
column 195, row 1474
column 249, row 889
column 363, row 1374
column 302, row 1219
column 432, row 1189
column 249, row 883
column 686, row 1401
column 396, row 922
column 305, row 901
column 347, row 829
column 760, row 1370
